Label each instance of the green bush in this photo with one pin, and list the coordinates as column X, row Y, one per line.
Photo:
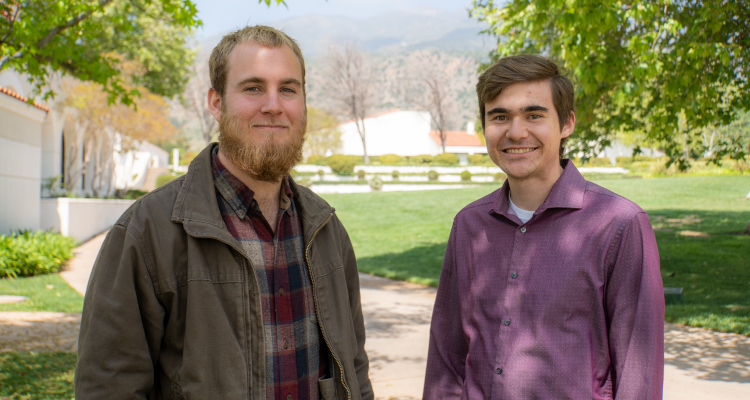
column 500, row 176
column 361, row 174
column 476, row 159
column 166, row 178
column 395, row 174
column 316, row 160
column 27, row 253
column 321, row 174
column 465, row 176
column 423, row 159
column 134, row 194
column 342, row 165
column 391, row 159
column 433, row 175
column 376, row 183
column 446, row 159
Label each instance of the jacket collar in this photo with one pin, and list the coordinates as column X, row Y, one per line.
column 567, row 192
column 197, row 208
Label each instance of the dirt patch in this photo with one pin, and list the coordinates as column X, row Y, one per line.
column 39, row 331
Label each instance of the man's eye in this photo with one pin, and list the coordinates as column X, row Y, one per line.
column 501, row 118
column 535, row 116
column 288, row 90
column 252, row 89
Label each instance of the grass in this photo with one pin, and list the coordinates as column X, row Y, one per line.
column 43, row 292
column 402, row 235
column 37, row 375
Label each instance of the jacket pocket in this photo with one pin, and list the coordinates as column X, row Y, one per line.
column 327, row 388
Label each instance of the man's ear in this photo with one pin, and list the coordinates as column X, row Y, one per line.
column 214, row 104
column 567, row 129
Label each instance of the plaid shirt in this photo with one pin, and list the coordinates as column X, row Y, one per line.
column 292, row 336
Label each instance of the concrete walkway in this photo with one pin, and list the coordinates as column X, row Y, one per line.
column 699, row 364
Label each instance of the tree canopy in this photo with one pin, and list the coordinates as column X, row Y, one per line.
column 637, row 66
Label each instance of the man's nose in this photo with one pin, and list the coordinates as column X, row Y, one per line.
column 272, row 103
column 516, row 130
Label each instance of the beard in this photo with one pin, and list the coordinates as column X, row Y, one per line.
column 264, row 160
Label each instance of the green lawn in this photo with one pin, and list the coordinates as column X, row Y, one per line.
column 37, row 375
column 402, row 235
column 43, row 292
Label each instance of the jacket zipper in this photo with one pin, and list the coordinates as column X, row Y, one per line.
column 315, row 301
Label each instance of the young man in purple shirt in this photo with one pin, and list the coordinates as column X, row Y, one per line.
column 550, row 287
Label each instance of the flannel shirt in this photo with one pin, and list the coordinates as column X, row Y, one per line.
column 292, row 336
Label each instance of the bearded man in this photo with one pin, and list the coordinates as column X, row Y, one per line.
column 232, row 281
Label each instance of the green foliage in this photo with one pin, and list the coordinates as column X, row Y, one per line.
column 91, row 40
column 321, row 174
column 433, row 175
column 361, row 174
column 134, row 194
column 341, row 164
column 392, row 159
column 323, row 133
column 30, row 375
column 47, row 292
column 376, row 183
column 395, row 174
column 500, row 176
column 466, row 176
column 423, row 159
column 663, row 68
column 316, row 160
column 166, row 178
column 27, row 253
column 475, row 159
column 446, row 159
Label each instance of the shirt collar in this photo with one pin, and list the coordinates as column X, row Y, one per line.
column 240, row 197
column 567, row 192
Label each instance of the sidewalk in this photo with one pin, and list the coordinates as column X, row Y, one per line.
column 699, row 364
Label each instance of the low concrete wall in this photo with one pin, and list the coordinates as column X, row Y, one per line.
column 81, row 218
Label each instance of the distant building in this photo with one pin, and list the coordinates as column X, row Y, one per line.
column 407, row 133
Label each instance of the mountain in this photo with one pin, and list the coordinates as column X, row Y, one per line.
column 425, row 28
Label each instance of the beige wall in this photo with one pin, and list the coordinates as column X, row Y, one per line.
column 20, row 164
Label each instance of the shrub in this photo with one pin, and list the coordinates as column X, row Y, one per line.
column 316, row 160
column 476, row 159
column 446, row 159
column 27, row 253
column 465, row 176
column 361, row 174
column 423, row 159
column 134, row 194
column 341, row 165
column 321, row 174
column 433, row 175
column 391, row 159
column 166, row 178
column 376, row 183
column 500, row 176
column 395, row 174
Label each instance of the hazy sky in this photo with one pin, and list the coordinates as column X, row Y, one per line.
column 222, row 15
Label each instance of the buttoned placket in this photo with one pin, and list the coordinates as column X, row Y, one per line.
column 282, row 342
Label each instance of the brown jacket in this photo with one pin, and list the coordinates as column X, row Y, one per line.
column 172, row 309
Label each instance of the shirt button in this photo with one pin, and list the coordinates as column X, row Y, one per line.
column 507, row 322
column 281, row 291
column 289, row 397
column 514, row 275
column 523, row 229
column 499, row 371
column 286, row 343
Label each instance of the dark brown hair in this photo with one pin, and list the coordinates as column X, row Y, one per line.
column 263, row 35
column 527, row 68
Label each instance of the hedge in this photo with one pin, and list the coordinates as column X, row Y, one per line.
column 27, row 253
column 447, row 159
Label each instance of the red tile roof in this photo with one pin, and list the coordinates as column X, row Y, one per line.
column 457, row 138
column 22, row 98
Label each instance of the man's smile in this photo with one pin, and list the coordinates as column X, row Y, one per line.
column 520, row 150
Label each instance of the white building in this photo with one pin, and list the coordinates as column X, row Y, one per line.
column 407, row 133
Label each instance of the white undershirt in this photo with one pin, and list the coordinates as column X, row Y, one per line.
column 523, row 215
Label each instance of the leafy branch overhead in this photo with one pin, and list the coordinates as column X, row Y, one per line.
column 87, row 39
column 637, row 66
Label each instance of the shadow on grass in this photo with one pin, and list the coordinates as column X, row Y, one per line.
column 420, row 264
column 37, row 375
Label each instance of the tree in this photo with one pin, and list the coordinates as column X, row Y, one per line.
column 350, row 84
column 87, row 39
column 434, row 83
column 103, row 126
column 637, row 66
column 323, row 133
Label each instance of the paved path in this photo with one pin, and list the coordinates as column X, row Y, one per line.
column 699, row 364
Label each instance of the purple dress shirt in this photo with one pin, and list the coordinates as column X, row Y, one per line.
column 569, row 305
